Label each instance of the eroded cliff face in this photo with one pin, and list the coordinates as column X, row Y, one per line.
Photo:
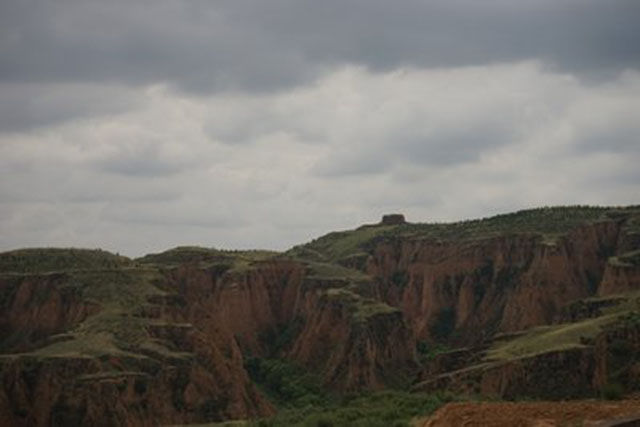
column 353, row 351
column 173, row 351
column 62, row 391
column 36, row 307
column 474, row 289
column 107, row 361
column 565, row 374
column 584, row 370
column 618, row 354
column 247, row 304
column 163, row 340
column 279, row 309
column 619, row 278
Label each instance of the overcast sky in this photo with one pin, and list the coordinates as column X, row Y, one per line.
column 140, row 125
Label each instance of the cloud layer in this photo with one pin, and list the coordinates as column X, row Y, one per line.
column 137, row 126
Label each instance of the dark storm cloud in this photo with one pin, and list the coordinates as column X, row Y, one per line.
column 264, row 45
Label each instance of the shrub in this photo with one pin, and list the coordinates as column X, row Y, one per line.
column 444, row 324
column 612, row 391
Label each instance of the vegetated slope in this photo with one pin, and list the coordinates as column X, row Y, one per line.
column 168, row 338
column 592, row 350
column 53, row 259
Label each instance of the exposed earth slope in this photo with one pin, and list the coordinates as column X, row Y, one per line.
column 539, row 303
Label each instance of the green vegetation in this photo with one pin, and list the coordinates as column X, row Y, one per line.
column 341, row 244
column 632, row 224
column 386, row 408
column 237, row 261
column 114, row 329
column 361, row 308
column 400, row 279
column 283, row 336
column 302, row 401
column 327, row 271
column 119, row 335
column 444, row 324
column 285, row 383
column 544, row 339
column 612, row 391
column 548, row 222
column 182, row 254
column 428, row 352
column 629, row 259
column 46, row 260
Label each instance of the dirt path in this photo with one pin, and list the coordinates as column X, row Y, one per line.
column 534, row 414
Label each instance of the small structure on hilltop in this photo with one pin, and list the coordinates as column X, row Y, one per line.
column 393, row 219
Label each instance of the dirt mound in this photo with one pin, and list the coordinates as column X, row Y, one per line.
column 538, row 414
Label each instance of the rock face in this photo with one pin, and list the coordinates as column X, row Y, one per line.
column 37, row 307
column 355, row 354
column 90, row 336
column 108, row 348
column 508, row 283
column 555, row 375
column 619, row 279
column 286, row 313
column 583, row 371
column 68, row 390
column 591, row 413
column 185, row 363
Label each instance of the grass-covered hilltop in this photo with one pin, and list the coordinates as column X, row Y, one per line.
column 380, row 325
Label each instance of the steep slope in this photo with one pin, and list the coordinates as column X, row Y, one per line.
column 166, row 338
column 584, row 358
column 80, row 347
column 162, row 339
column 310, row 313
column 466, row 281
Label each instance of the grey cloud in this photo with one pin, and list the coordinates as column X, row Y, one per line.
column 51, row 186
column 251, row 123
column 186, row 213
column 624, row 139
column 622, row 178
column 451, row 145
column 407, row 144
column 194, row 45
column 358, row 160
column 260, row 46
column 143, row 160
column 429, row 143
column 29, row 105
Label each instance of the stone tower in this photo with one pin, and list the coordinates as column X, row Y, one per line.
column 393, row 219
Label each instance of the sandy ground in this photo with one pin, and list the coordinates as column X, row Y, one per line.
column 590, row 413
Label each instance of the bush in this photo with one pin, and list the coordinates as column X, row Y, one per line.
column 400, row 278
column 612, row 391
column 286, row 383
column 386, row 408
column 444, row 324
